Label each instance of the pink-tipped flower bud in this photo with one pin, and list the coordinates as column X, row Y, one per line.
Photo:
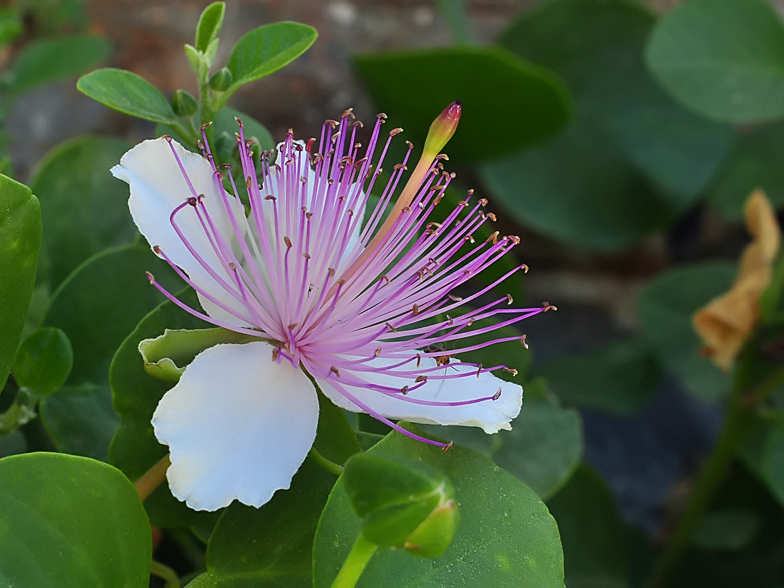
column 443, row 128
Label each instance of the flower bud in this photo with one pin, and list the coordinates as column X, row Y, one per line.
column 221, row 80
column 402, row 503
column 184, row 103
column 442, row 128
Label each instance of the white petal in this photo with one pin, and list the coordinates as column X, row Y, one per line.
column 490, row 415
column 238, row 426
column 157, row 188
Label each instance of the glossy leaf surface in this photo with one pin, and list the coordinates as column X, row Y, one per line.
column 20, row 241
column 505, row 532
column 71, row 522
column 722, row 58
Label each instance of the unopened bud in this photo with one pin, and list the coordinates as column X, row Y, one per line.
column 221, row 80
column 443, row 128
column 184, row 104
column 402, row 503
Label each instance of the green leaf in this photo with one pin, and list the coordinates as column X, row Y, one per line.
column 602, row 203
column 80, row 420
column 71, row 522
column 97, row 306
column 281, row 533
column 266, row 49
column 10, row 24
column 166, row 356
column 507, row 103
column 545, row 444
column 210, row 23
column 727, row 529
column 665, row 307
column 84, row 209
column 754, row 163
column 506, row 537
column 619, row 378
column 129, row 93
column 52, row 60
column 773, row 461
column 597, row 47
column 20, row 240
column 395, row 497
column 43, row 361
column 724, row 59
column 636, row 159
column 134, row 448
column 592, row 534
column 761, row 448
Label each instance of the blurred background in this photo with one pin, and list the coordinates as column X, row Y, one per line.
column 612, row 182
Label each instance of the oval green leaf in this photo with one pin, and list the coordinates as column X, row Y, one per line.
column 210, row 23
column 506, row 537
column 97, row 306
column 20, row 241
column 266, row 49
column 43, row 361
column 593, row 536
column 620, row 378
column 665, row 307
column 84, row 209
column 754, row 163
column 545, row 444
column 52, row 60
column 71, row 522
column 508, row 103
column 129, row 93
column 724, row 59
column 635, row 158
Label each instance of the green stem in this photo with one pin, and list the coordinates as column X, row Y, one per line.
column 324, row 463
column 165, row 573
column 708, row 482
column 355, row 563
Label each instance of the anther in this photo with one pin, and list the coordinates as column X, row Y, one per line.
column 483, row 202
column 192, row 201
column 522, row 342
column 306, row 255
column 335, row 371
column 463, row 203
column 524, row 268
column 275, row 353
column 168, row 138
column 491, row 216
column 497, row 395
column 396, row 131
column 420, row 379
column 415, row 310
column 293, row 326
column 547, row 306
column 493, row 238
column 287, row 241
column 454, row 298
column 419, row 359
column 479, row 370
column 156, row 249
column 150, row 277
column 400, row 166
column 391, row 328
column 377, row 352
column 404, row 390
column 511, row 371
column 509, row 300
column 448, row 446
